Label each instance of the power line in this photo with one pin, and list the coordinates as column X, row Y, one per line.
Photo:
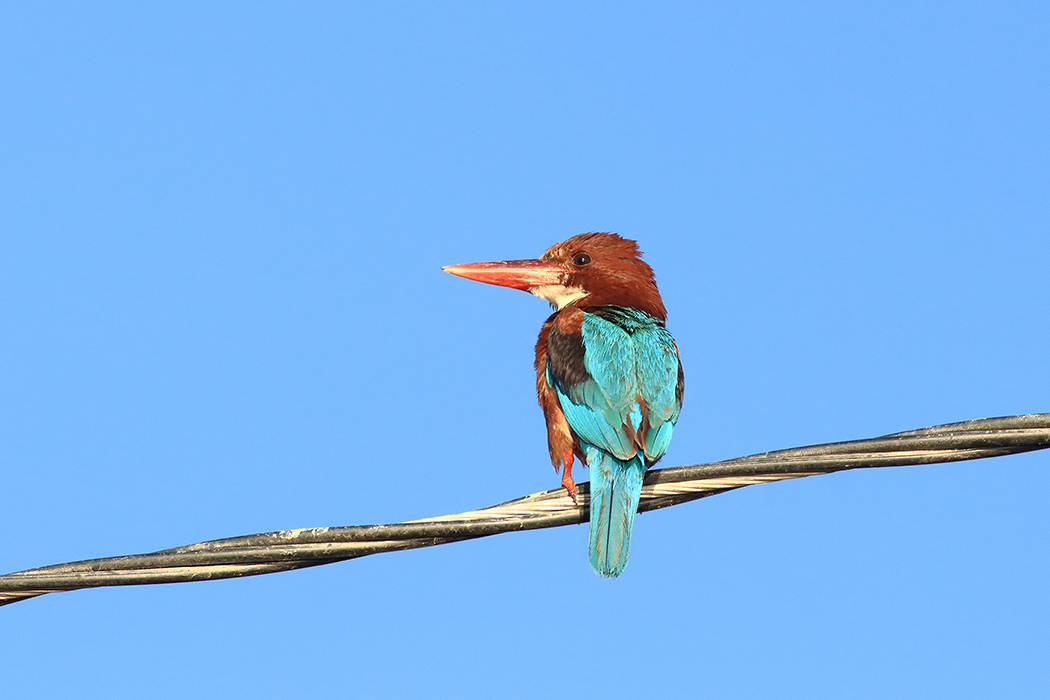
column 269, row 552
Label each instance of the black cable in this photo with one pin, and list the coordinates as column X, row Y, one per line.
column 264, row 553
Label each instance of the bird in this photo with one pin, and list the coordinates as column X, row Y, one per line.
column 608, row 374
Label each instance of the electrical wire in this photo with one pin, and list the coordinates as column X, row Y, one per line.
column 270, row 552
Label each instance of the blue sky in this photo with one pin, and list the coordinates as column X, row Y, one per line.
column 223, row 313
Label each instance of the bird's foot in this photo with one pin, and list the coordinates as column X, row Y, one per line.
column 566, row 479
column 570, row 486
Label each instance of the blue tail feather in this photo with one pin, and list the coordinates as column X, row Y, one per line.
column 616, row 486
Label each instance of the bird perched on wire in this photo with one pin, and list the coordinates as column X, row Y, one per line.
column 608, row 374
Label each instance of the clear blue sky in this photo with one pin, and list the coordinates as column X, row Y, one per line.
column 223, row 313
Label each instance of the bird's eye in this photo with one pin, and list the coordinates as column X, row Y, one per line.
column 581, row 259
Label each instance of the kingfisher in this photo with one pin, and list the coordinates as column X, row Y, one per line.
column 608, row 374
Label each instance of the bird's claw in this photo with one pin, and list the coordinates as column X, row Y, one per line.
column 566, row 478
column 570, row 486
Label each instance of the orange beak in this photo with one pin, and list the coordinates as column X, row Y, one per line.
column 517, row 274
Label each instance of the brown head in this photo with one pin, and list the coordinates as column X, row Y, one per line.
column 586, row 270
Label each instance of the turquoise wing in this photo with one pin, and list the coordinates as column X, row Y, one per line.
column 627, row 355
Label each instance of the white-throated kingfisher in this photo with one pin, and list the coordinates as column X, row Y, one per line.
column 608, row 374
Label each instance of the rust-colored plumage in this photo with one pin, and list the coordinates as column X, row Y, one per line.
column 616, row 275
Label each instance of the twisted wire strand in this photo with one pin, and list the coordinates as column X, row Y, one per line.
column 270, row 552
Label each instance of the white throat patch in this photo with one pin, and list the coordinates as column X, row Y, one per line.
column 559, row 295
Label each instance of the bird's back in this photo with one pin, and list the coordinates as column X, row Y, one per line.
column 622, row 408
